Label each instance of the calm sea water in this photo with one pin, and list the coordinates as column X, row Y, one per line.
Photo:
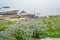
column 44, row 7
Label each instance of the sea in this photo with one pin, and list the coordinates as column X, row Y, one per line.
column 45, row 8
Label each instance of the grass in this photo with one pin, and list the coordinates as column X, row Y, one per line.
column 19, row 34
column 5, row 24
column 48, row 27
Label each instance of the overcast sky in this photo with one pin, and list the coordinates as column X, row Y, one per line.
column 42, row 6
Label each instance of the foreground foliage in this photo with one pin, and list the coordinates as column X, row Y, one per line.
column 5, row 24
column 47, row 27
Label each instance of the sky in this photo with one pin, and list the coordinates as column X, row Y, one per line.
column 45, row 7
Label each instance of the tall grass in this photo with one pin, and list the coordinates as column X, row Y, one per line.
column 47, row 27
column 5, row 24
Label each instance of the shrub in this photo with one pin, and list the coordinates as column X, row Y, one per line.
column 18, row 34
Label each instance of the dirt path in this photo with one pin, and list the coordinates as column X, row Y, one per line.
column 49, row 39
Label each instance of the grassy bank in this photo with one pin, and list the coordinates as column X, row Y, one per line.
column 48, row 27
column 5, row 24
column 37, row 28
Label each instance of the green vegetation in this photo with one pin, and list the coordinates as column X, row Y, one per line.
column 5, row 24
column 7, row 38
column 47, row 27
column 19, row 34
